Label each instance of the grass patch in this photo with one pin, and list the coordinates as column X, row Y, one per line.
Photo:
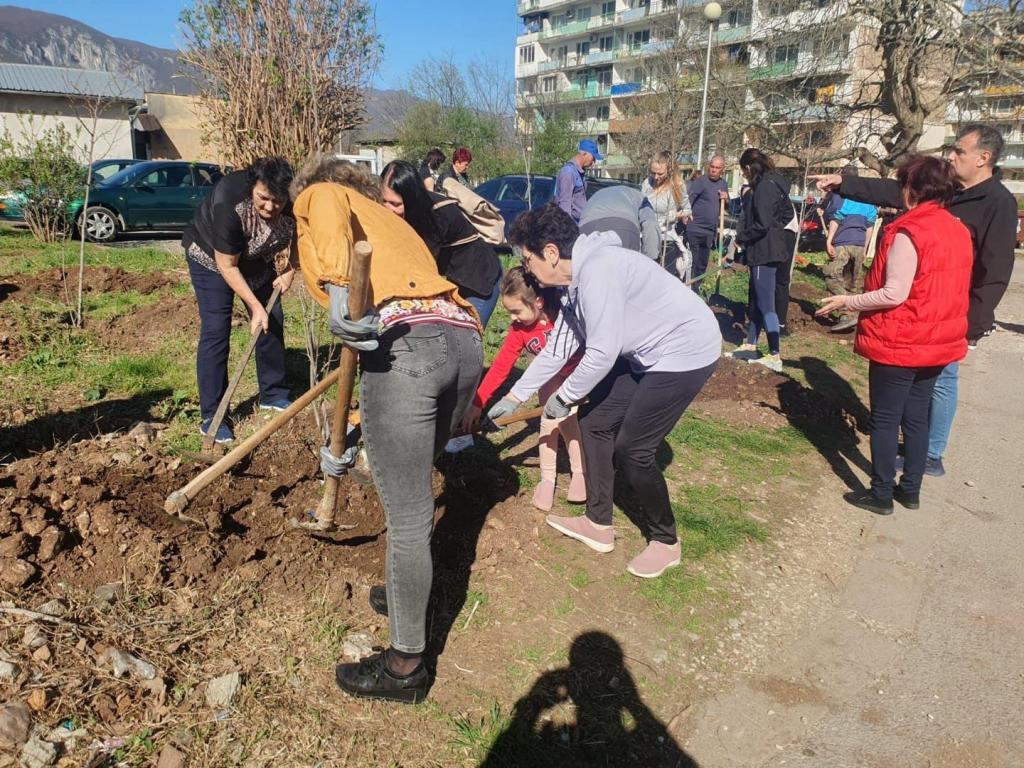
column 20, row 252
column 102, row 306
column 475, row 737
column 565, row 606
column 746, row 453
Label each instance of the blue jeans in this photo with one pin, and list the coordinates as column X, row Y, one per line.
column 216, row 301
column 485, row 306
column 761, row 295
column 940, row 420
column 415, row 389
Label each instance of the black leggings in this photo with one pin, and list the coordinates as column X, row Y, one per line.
column 622, row 425
column 761, row 296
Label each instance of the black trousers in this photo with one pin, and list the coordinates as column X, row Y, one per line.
column 900, row 397
column 622, row 425
column 700, row 246
column 216, row 300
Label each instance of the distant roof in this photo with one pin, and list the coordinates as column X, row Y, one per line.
column 35, row 78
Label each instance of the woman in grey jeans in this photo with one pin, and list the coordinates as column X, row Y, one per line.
column 421, row 361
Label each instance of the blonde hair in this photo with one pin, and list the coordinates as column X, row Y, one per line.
column 320, row 168
column 667, row 159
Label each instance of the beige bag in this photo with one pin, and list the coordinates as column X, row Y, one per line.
column 485, row 218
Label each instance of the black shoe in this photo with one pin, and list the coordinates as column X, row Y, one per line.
column 933, row 467
column 867, row 500
column 371, row 679
column 908, row 500
column 379, row 599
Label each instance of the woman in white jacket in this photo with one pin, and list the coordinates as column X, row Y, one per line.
column 666, row 192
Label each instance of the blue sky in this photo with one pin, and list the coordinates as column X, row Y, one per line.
column 411, row 29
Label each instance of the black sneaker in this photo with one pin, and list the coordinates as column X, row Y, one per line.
column 867, row 500
column 379, row 599
column 908, row 500
column 371, row 679
column 933, row 467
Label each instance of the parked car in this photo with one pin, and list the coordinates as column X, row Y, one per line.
column 517, row 193
column 11, row 202
column 156, row 195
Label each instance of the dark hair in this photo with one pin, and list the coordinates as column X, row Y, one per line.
column 462, row 155
column 401, row 177
column 434, row 159
column 849, row 170
column 521, row 284
column 989, row 139
column 535, row 229
column 757, row 163
column 275, row 172
column 927, row 178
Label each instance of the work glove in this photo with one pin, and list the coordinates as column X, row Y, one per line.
column 556, row 408
column 503, row 407
column 359, row 334
column 333, row 466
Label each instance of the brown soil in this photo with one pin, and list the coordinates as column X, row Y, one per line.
column 803, row 301
column 93, row 510
column 152, row 325
column 97, row 280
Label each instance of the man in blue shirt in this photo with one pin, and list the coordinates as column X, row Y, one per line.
column 571, row 182
column 706, row 194
column 849, row 232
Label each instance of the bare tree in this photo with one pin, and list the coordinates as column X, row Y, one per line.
column 280, row 77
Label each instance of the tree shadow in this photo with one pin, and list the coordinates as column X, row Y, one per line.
column 48, row 430
column 475, row 481
column 587, row 714
column 829, row 414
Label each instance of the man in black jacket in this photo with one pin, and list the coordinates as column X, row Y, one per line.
column 990, row 213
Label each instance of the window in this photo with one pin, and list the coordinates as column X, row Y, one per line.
column 526, row 54
column 739, row 54
column 603, row 113
column 604, row 76
column 606, row 43
column 582, row 49
column 207, row 177
column 549, row 84
column 738, row 17
column 514, row 189
column 608, row 10
column 786, row 54
column 636, row 39
column 168, row 176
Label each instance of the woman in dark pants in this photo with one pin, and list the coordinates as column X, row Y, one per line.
column 913, row 322
column 461, row 253
column 768, row 247
column 231, row 248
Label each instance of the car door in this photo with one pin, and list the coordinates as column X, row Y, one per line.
column 162, row 198
column 205, row 177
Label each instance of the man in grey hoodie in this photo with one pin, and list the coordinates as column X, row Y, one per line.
column 650, row 344
column 626, row 212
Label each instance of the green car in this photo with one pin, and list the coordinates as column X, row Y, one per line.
column 156, row 195
column 11, row 203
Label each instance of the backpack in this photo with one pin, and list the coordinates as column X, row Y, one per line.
column 485, row 218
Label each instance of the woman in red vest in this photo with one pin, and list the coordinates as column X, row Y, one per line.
column 913, row 322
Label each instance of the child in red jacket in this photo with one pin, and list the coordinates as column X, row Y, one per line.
column 534, row 311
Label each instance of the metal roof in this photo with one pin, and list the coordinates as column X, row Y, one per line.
column 35, row 78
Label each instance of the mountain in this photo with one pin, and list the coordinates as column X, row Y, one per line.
column 33, row 37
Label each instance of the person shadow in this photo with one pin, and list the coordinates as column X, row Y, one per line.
column 829, row 414
column 586, row 714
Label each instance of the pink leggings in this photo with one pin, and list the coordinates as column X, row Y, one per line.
column 550, row 429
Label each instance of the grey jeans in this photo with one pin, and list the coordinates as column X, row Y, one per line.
column 416, row 388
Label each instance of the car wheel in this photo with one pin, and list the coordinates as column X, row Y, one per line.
column 100, row 224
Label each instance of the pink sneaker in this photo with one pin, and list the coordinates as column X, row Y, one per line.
column 654, row 560
column 577, row 489
column 544, row 495
column 598, row 538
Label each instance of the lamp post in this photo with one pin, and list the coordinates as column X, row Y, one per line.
column 712, row 12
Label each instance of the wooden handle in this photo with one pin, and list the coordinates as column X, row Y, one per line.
column 177, row 501
column 210, row 437
column 358, row 301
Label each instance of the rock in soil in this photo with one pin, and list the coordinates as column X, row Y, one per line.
column 16, row 572
column 170, row 758
column 109, row 593
column 38, row 753
column 15, row 723
column 16, row 545
column 34, row 637
column 52, row 541
column 9, row 670
column 221, row 691
column 357, row 646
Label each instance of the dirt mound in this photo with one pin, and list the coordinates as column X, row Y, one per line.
column 804, row 300
column 93, row 511
column 740, row 381
column 151, row 326
column 97, row 280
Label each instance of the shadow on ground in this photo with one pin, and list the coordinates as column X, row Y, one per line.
column 586, row 714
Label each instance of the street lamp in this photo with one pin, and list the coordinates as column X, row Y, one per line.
column 712, row 12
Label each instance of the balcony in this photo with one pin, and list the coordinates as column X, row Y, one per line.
column 732, row 34
column 527, row 70
column 592, row 90
column 656, row 8
column 535, row 6
column 772, row 71
column 645, row 49
column 577, row 27
column 592, row 126
column 575, row 60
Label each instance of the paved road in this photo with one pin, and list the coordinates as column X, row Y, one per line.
column 920, row 660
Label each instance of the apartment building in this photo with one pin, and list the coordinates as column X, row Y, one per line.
column 1000, row 105
column 790, row 60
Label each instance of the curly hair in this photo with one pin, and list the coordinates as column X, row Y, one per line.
column 275, row 172
column 926, row 178
column 535, row 229
column 321, row 168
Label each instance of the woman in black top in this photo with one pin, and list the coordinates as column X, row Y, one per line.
column 430, row 170
column 231, row 247
column 767, row 234
column 458, row 170
column 462, row 254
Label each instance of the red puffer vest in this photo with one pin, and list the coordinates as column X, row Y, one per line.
column 930, row 327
